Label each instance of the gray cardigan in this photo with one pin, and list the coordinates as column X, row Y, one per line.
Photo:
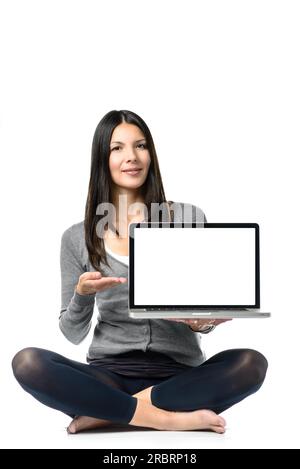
column 115, row 332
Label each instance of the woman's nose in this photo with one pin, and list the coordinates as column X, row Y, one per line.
column 131, row 155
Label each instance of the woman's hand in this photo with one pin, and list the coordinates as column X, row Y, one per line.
column 92, row 282
column 198, row 324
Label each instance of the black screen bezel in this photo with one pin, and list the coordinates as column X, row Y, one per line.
column 142, row 225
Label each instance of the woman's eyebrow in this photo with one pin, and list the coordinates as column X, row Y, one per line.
column 134, row 142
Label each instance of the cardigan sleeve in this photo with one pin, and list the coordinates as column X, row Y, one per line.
column 76, row 310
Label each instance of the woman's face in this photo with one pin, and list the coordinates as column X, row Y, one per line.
column 128, row 150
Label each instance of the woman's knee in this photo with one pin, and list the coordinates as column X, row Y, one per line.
column 27, row 363
column 255, row 366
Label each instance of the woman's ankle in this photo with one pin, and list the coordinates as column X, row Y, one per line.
column 147, row 415
column 145, row 394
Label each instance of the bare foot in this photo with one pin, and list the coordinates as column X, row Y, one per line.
column 193, row 420
column 197, row 420
column 82, row 423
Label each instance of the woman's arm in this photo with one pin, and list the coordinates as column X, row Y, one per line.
column 76, row 310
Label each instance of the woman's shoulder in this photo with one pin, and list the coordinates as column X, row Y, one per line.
column 74, row 234
column 75, row 229
column 187, row 212
column 73, row 240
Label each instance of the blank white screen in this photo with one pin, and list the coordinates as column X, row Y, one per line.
column 194, row 266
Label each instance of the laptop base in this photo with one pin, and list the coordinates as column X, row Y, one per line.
column 210, row 314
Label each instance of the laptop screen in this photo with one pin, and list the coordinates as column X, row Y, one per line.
column 194, row 265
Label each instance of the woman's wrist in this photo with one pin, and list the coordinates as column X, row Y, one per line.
column 80, row 292
column 204, row 329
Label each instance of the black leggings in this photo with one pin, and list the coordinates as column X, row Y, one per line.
column 83, row 389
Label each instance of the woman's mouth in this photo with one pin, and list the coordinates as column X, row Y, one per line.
column 133, row 173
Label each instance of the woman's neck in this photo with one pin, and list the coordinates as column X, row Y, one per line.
column 128, row 207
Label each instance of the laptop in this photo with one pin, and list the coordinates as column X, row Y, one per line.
column 194, row 270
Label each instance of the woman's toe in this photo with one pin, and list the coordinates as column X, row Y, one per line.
column 218, row 428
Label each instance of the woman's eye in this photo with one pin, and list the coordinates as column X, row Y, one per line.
column 143, row 145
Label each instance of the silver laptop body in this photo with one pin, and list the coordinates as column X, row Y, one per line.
column 189, row 270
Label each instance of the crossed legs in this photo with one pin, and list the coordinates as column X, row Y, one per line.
column 189, row 400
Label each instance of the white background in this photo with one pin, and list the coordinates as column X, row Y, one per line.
column 218, row 84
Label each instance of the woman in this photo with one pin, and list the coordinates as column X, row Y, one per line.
column 149, row 373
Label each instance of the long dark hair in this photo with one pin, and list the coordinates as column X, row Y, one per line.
column 100, row 184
